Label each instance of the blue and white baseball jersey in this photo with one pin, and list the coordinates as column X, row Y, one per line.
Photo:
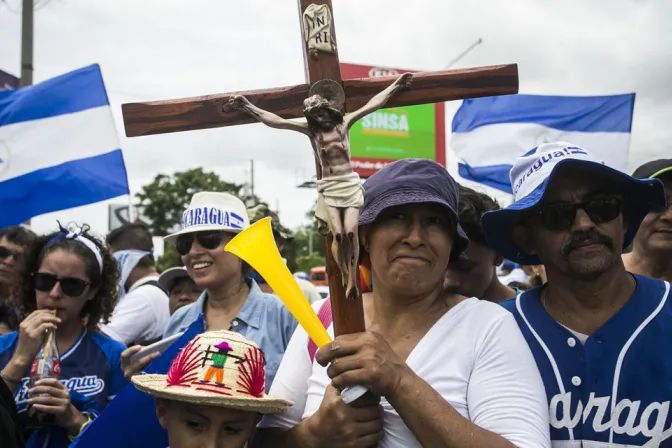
column 615, row 389
column 91, row 371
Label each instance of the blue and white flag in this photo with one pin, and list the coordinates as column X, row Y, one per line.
column 58, row 147
column 488, row 134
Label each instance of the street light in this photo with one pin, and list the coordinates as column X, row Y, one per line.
column 464, row 53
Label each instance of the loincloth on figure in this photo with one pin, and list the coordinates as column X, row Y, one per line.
column 343, row 191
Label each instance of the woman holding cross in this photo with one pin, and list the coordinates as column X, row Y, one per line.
column 443, row 370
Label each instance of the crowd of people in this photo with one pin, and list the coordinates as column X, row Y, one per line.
column 460, row 349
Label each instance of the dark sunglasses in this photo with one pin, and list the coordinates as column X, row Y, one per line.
column 73, row 287
column 208, row 240
column 561, row 216
column 6, row 253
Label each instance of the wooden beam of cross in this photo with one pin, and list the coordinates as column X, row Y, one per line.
column 321, row 62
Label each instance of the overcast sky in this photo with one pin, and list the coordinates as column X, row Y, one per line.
column 162, row 49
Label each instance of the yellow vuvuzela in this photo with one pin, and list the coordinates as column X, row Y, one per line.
column 256, row 246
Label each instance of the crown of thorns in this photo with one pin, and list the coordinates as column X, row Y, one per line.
column 317, row 102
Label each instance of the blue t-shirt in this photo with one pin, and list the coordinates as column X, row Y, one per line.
column 91, row 371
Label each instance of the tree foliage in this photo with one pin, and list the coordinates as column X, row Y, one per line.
column 169, row 259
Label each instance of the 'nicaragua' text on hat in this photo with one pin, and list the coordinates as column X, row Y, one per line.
column 545, row 159
column 201, row 216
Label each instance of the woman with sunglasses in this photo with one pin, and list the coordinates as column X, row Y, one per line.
column 231, row 300
column 67, row 283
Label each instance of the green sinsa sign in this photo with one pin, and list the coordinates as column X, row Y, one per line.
column 394, row 134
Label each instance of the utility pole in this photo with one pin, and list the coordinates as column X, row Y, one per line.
column 26, row 48
column 27, row 43
column 252, row 177
column 310, row 240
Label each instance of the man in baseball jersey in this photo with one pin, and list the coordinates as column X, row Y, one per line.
column 601, row 337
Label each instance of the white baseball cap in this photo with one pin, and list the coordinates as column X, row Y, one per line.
column 211, row 210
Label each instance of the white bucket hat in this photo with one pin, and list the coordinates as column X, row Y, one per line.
column 211, row 210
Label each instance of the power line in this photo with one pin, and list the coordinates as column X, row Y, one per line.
column 464, row 53
column 40, row 4
column 37, row 5
column 9, row 7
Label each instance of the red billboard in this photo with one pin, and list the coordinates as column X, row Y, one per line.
column 396, row 133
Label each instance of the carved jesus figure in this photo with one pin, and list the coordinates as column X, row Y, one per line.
column 340, row 192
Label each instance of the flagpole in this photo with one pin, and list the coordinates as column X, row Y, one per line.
column 131, row 218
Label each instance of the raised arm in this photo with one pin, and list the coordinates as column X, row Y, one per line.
column 264, row 116
column 378, row 101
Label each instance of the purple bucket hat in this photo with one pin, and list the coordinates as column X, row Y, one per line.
column 413, row 181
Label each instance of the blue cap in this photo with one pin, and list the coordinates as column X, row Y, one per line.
column 530, row 177
column 413, row 181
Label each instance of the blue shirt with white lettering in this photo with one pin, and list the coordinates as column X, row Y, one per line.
column 91, row 371
column 614, row 390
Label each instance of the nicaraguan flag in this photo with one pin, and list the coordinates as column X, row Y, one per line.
column 488, row 134
column 58, row 147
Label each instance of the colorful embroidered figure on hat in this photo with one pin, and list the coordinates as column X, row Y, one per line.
column 218, row 359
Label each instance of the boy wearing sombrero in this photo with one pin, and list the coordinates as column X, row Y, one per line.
column 213, row 394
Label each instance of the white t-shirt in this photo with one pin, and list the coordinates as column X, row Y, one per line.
column 141, row 315
column 517, row 275
column 580, row 336
column 474, row 356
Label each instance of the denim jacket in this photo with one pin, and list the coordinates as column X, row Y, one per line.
column 263, row 318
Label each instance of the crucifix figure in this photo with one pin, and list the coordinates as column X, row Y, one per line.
column 323, row 78
column 340, row 192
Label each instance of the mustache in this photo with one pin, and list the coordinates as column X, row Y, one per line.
column 582, row 238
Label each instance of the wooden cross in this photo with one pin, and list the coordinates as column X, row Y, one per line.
column 320, row 54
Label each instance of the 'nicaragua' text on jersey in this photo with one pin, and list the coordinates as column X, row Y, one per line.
column 614, row 389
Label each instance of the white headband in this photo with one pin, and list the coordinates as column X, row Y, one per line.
column 77, row 236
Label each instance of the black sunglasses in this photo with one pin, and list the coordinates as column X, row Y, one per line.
column 6, row 252
column 561, row 216
column 73, row 287
column 208, row 240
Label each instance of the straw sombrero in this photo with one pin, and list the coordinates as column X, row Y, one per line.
column 217, row 368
